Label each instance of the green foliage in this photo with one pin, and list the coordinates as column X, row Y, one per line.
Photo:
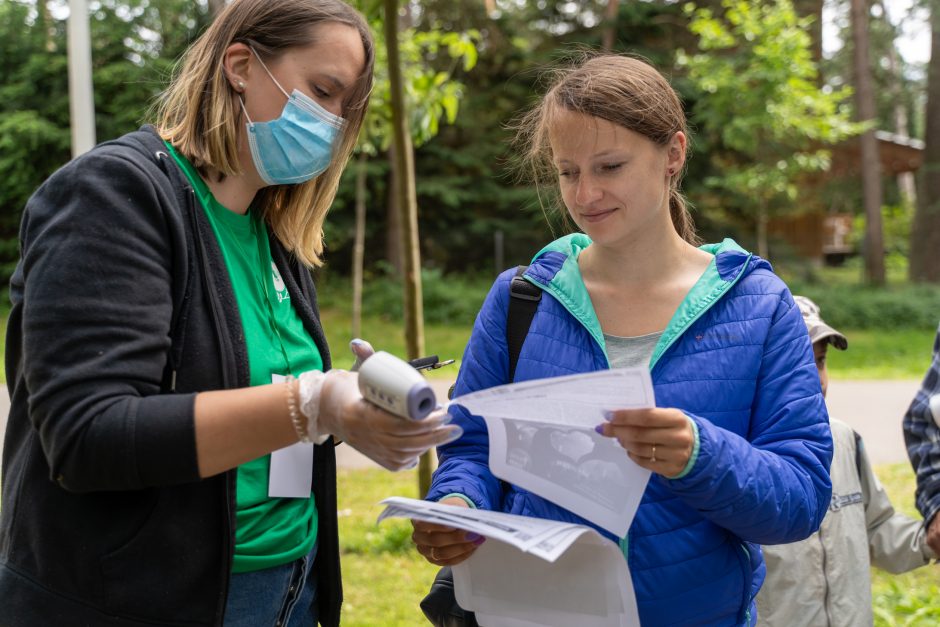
column 448, row 299
column 134, row 44
column 766, row 120
column 466, row 189
column 428, row 60
column 895, row 230
column 900, row 85
column 858, row 307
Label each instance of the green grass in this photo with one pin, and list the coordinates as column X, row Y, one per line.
column 385, row 579
column 444, row 340
column 882, row 354
column 910, row 599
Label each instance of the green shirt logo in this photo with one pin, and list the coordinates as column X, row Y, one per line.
column 279, row 287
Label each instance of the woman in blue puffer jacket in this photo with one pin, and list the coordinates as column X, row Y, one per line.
column 739, row 443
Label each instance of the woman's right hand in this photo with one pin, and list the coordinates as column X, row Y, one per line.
column 392, row 442
column 445, row 546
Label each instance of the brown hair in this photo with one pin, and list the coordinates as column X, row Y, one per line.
column 197, row 114
column 623, row 90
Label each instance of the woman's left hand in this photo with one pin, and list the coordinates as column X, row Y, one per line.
column 657, row 439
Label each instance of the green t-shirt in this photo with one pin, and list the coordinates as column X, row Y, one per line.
column 269, row 531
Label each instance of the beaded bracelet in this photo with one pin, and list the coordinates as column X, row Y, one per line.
column 300, row 425
column 309, row 386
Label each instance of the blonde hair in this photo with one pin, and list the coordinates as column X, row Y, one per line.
column 198, row 116
column 622, row 90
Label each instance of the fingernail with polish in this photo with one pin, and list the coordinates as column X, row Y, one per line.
column 608, row 415
column 357, row 342
column 479, row 541
column 472, row 537
column 446, row 419
column 456, row 434
column 600, row 428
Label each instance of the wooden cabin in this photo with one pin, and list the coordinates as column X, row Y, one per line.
column 823, row 236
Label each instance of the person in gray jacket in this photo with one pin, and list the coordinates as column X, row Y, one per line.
column 825, row 579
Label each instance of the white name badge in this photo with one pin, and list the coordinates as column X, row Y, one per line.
column 291, row 466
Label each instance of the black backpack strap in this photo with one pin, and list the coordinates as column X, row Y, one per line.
column 858, row 453
column 524, row 300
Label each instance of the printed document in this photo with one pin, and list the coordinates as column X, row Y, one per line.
column 542, row 438
column 532, row 571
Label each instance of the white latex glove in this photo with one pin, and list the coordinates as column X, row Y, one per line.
column 333, row 404
column 362, row 350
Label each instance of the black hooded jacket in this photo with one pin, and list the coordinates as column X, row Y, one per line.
column 122, row 312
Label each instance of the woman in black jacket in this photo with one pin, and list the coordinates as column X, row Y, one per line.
column 165, row 359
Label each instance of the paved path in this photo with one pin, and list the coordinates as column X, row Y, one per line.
column 873, row 408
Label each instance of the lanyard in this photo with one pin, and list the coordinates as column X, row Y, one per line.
column 257, row 230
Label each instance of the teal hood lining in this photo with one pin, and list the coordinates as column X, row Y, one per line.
column 567, row 287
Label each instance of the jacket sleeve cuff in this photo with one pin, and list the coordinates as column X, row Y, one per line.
column 462, row 497
column 695, row 448
column 932, row 510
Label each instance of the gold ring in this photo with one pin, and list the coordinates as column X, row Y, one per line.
column 653, row 454
column 433, row 556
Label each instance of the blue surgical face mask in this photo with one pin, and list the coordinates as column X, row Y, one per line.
column 296, row 146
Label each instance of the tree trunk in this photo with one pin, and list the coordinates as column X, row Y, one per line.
column 871, row 164
column 48, row 25
column 813, row 8
column 408, row 210
column 609, row 34
column 906, row 184
column 215, row 7
column 393, row 254
column 359, row 240
column 763, row 250
column 925, row 233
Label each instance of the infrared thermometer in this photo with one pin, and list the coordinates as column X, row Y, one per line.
column 395, row 386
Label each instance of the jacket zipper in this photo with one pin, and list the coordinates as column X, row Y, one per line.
column 624, row 542
column 227, row 377
column 822, row 545
column 724, row 288
column 225, row 358
column 744, row 616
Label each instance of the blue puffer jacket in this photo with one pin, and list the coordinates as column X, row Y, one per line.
column 737, row 360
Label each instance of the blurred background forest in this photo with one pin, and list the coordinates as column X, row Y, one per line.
column 771, row 88
column 816, row 142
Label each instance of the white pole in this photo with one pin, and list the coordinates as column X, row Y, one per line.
column 81, row 94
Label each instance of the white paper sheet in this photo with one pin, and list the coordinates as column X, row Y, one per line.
column 532, row 571
column 542, row 439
